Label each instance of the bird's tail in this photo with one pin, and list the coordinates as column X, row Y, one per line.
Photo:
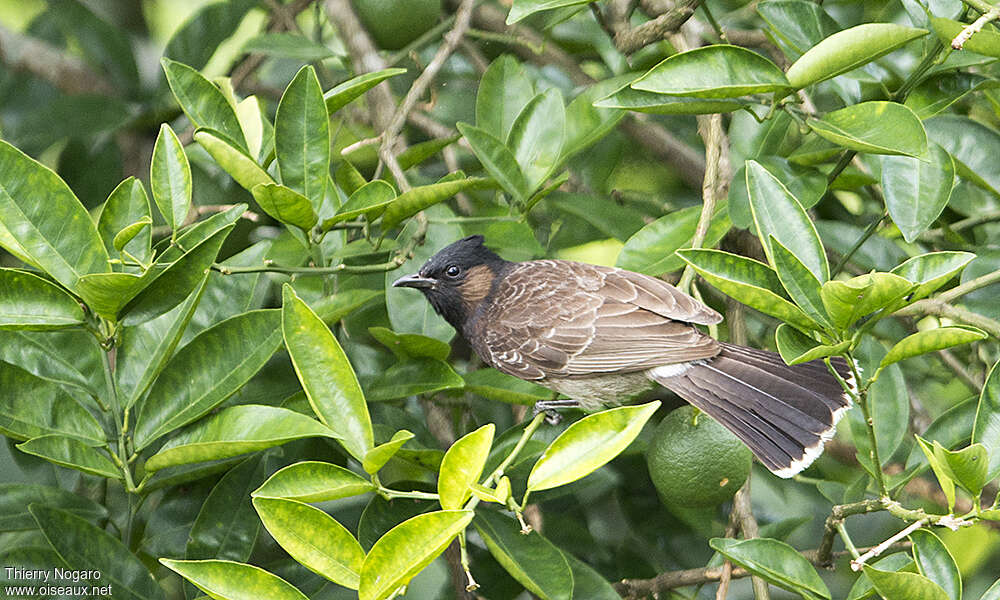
column 784, row 414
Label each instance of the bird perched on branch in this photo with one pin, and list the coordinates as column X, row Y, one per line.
column 603, row 336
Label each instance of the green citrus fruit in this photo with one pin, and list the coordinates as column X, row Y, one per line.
column 696, row 462
column 396, row 23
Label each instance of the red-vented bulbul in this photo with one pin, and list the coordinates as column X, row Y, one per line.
column 603, row 336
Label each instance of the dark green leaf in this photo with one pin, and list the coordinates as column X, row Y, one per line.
column 170, row 178
column 931, row 340
column 917, row 190
column 651, row 249
column 32, row 303
column 937, row 93
column 494, row 385
column 522, row 8
column 203, row 103
column 806, row 184
column 288, row 45
column 530, row 559
column 800, row 283
column 504, row 90
column 285, row 205
column 936, row 563
column 932, row 270
column 15, row 498
column 629, row 98
column 796, row 347
column 226, row 526
column 43, row 223
column 986, row 430
column 411, row 345
column 72, row 453
column 776, row 562
column 86, row 547
column 127, row 204
column 209, row 369
column 536, row 137
column 370, row 200
column 31, row 407
column 908, row 586
column 338, row 96
column 971, row 144
column 498, row 161
column 199, row 37
column 798, row 25
column 412, row 377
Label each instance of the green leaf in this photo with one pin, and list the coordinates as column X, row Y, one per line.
column 15, row 498
column 145, row 348
column 338, row 96
column 931, row 340
column 313, row 481
column 285, row 205
column 797, row 25
column 69, row 357
column 716, row 71
column 105, row 46
column 876, row 127
column 126, row 207
column 587, row 582
column 197, row 40
column 326, row 374
column 175, row 283
column 332, row 309
column 967, row 467
column 940, row 469
column 71, row 453
column 418, row 198
column 751, row 282
column 523, row 8
column 86, row 547
column 288, row 45
column 901, row 585
column 302, row 137
column 588, row 445
column 376, row 458
column 651, row 249
column 951, row 428
column 986, row 430
column 776, row 212
column 170, row 178
column 421, row 151
column 128, row 233
column 226, row 526
column 936, row 563
column 32, row 303
column 236, row 430
column 848, row 301
column 848, row 49
column 932, row 270
column 917, row 190
column 800, row 283
column 107, row 293
column 411, row 345
column 994, row 592
column 796, row 347
column 504, row 90
column 209, row 369
column 406, row 549
column 536, row 137
column 31, row 407
column 629, row 98
column 203, row 103
column 233, row 160
column 462, row 466
column 530, row 559
column 412, row 377
column 227, row 580
column 971, row 144
column 938, row 92
column 498, row 160
column 494, row 385
column 369, row 200
column 862, row 588
column 587, row 123
column 985, row 42
column 313, row 538
column 806, row 184
column 43, row 222
column 776, row 562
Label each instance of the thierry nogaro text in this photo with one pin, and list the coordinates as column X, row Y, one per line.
column 57, row 578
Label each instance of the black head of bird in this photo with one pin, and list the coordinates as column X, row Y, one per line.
column 603, row 336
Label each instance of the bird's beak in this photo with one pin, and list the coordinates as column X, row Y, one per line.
column 415, row 281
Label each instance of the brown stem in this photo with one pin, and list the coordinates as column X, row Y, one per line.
column 65, row 71
column 658, row 29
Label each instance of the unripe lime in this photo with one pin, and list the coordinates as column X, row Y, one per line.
column 396, row 23
column 696, row 462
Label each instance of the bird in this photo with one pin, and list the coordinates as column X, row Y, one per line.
column 604, row 336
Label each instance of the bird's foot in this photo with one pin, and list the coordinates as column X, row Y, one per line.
column 552, row 416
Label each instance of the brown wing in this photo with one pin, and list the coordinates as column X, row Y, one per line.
column 563, row 318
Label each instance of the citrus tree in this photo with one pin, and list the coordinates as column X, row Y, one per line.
column 208, row 384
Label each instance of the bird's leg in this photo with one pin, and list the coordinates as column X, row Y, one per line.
column 552, row 417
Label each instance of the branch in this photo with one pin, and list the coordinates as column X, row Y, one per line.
column 963, row 36
column 643, row 588
column 395, row 125
column 714, row 185
column 940, row 308
column 65, row 71
column 658, row 29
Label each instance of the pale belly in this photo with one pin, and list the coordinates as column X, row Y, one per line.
column 596, row 392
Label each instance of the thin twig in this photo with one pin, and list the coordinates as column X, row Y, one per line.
column 657, row 29
column 963, row 36
column 387, row 152
column 859, row 562
column 710, row 129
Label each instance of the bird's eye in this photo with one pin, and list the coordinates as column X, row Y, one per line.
column 452, row 271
